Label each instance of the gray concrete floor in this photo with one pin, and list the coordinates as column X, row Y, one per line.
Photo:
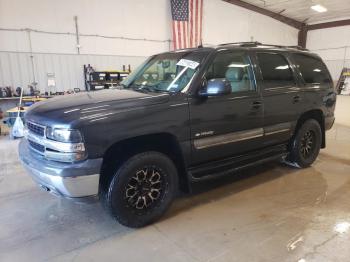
column 268, row 213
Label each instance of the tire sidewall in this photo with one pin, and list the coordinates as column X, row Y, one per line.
column 118, row 205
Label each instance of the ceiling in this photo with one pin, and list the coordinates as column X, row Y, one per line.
column 300, row 9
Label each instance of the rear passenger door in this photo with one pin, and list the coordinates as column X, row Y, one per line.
column 281, row 95
column 317, row 85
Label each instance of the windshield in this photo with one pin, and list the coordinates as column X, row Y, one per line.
column 170, row 72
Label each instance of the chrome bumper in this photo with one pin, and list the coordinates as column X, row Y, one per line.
column 64, row 179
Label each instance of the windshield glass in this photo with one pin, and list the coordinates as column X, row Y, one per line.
column 170, row 72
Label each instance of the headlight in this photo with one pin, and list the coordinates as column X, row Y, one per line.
column 64, row 135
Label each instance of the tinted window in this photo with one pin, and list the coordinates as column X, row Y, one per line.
column 235, row 67
column 275, row 70
column 311, row 69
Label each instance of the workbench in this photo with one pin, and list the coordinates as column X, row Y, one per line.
column 7, row 103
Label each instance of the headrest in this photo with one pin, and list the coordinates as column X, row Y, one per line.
column 234, row 74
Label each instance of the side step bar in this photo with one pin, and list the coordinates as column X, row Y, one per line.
column 224, row 167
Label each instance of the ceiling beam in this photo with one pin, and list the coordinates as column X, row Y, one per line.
column 328, row 24
column 277, row 16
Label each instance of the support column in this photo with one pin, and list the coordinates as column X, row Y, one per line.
column 302, row 36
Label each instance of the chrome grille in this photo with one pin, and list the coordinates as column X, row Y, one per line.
column 36, row 146
column 35, row 128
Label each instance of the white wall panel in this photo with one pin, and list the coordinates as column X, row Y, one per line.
column 333, row 45
column 13, row 41
column 15, row 68
column 134, row 19
column 224, row 23
column 151, row 19
column 329, row 37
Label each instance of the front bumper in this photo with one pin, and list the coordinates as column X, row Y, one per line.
column 64, row 179
column 328, row 122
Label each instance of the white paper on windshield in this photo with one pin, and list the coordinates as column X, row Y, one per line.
column 188, row 63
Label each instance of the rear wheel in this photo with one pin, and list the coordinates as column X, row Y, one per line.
column 142, row 189
column 306, row 144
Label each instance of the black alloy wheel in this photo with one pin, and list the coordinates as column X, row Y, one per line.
column 145, row 188
column 142, row 189
column 305, row 144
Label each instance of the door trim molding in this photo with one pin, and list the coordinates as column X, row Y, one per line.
column 277, row 128
column 228, row 138
column 206, row 142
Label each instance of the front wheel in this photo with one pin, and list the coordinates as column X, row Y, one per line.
column 306, row 144
column 142, row 189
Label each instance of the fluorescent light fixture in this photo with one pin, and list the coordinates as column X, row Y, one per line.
column 342, row 227
column 319, row 8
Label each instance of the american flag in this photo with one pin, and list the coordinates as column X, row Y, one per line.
column 186, row 23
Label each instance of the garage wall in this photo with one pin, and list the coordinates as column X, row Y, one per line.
column 109, row 19
column 16, row 68
column 112, row 33
column 333, row 45
column 225, row 23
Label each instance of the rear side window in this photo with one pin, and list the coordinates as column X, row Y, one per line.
column 312, row 70
column 275, row 69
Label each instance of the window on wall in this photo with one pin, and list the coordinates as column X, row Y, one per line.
column 235, row 67
column 312, row 70
column 275, row 69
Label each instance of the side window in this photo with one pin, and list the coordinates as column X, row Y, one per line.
column 275, row 69
column 235, row 67
column 312, row 70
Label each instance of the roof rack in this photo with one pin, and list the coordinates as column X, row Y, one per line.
column 242, row 43
column 297, row 47
column 250, row 44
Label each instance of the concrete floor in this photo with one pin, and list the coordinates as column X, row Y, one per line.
column 270, row 213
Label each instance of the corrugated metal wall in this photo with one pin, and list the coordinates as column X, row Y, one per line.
column 336, row 59
column 333, row 45
column 16, row 68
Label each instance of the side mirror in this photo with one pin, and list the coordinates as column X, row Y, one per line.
column 216, row 87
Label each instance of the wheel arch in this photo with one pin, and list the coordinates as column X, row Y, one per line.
column 316, row 114
column 165, row 143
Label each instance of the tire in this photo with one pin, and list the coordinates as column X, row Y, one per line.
column 306, row 144
column 142, row 189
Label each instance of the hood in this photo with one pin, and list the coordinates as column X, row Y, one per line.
column 67, row 110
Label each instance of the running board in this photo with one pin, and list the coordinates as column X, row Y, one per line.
column 226, row 166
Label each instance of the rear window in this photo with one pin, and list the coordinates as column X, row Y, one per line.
column 275, row 69
column 312, row 70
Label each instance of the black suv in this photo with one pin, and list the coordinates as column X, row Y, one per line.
column 182, row 116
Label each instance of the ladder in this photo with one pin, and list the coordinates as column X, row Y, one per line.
column 344, row 74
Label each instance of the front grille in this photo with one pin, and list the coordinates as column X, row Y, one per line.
column 36, row 146
column 35, row 128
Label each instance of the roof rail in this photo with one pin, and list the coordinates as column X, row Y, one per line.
column 248, row 44
column 298, row 47
column 287, row 46
column 242, row 43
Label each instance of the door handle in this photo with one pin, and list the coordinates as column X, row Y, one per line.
column 256, row 104
column 296, row 99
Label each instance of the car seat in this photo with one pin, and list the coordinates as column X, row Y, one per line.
column 238, row 79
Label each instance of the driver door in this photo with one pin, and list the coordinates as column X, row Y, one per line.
column 227, row 125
